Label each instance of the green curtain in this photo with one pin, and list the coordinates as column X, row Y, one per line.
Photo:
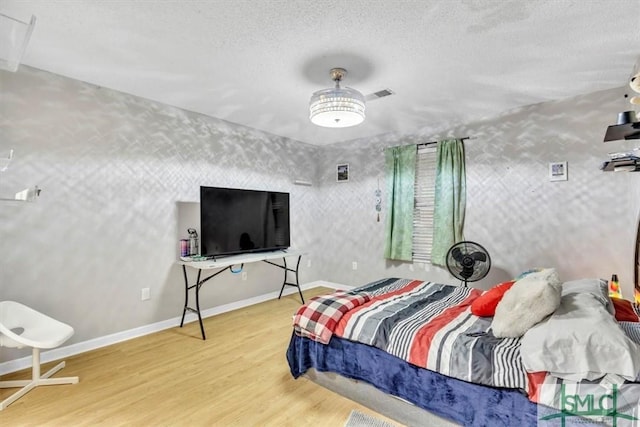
column 400, row 168
column 450, row 199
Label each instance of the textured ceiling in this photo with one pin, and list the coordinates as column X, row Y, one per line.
column 257, row 62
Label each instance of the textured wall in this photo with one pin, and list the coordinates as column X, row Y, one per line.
column 582, row 226
column 112, row 168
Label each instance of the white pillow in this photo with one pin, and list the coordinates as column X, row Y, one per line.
column 581, row 340
column 529, row 300
column 599, row 288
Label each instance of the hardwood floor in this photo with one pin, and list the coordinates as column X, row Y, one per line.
column 237, row 377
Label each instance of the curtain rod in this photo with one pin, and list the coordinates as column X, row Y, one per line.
column 435, row 142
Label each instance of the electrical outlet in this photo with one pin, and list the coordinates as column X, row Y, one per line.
column 244, row 275
column 145, row 294
column 354, row 265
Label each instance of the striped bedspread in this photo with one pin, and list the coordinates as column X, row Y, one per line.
column 431, row 326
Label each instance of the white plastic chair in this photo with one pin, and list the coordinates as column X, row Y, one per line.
column 21, row 326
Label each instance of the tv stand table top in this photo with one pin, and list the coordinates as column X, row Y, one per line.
column 226, row 263
column 230, row 260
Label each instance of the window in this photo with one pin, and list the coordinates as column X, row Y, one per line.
column 424, row 199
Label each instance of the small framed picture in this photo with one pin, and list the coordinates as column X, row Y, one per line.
column 343, row 172
column 558, row 171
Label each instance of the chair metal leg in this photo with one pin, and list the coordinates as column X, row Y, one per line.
column 17, row 395
column 36, row 380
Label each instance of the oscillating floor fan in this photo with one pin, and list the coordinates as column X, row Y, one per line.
column 468, row 261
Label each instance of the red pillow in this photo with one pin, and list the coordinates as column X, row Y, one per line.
column 624, row 310
column 485, row 305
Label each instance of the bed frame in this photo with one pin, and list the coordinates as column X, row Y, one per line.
column 390, row 406
column 431, row 399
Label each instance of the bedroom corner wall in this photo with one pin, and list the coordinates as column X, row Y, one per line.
column 112, row 168
column 583, row 226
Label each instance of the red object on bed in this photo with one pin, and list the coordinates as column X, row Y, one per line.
column 624, row 310
column 485, row 305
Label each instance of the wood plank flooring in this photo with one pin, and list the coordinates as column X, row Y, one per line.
column 237, row 377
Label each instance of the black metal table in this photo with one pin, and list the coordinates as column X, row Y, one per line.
column 227, row 263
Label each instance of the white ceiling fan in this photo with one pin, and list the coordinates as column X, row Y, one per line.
column 340, row 107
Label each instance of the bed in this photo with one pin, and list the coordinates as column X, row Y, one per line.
column 414, row 351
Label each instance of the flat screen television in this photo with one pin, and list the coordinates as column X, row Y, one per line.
column 235, row 221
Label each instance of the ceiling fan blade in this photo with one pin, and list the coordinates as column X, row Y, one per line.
column 379, row 94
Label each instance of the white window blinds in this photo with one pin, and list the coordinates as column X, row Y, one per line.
column 424, row 202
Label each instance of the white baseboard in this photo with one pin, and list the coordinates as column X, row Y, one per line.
column 92, row 344
column 326, row 284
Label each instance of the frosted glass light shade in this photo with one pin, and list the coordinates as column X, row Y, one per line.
column 15, row 35
column 337, row 107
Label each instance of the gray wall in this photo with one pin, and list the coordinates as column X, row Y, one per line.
column 584, row 227
column 114, row 169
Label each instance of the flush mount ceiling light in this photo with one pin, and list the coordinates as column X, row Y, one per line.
column 337, row 107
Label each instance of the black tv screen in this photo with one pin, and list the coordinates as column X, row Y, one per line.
column 234, row 221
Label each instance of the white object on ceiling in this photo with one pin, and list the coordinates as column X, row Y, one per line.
column 14, row 35
column 448, row 62
column 337, row 107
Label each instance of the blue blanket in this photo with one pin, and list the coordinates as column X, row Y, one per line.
column 459, row 401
